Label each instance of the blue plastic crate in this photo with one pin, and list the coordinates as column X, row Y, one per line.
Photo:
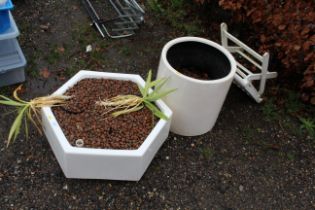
column 12, row 63
column 12, row 32
column 4, row 16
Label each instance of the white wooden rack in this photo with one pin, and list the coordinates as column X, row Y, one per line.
column 244, row 78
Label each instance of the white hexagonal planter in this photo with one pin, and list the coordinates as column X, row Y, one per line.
column 90, row 163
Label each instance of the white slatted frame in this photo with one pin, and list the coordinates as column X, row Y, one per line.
column 245, row 79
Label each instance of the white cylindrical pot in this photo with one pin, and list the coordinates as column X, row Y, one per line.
column 196, row 103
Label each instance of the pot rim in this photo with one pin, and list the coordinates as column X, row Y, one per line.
column 229, row 56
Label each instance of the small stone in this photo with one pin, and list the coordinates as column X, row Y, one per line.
column 192, row 145
column 88, row 48
column 150, row 194
column 227, row 175
column 241, row 188
column 167, row 157
column 65, row 187
column 175, row 138
column 44, row 27
column 162, row 197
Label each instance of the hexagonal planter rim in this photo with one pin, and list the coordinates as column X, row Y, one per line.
column 51, row 123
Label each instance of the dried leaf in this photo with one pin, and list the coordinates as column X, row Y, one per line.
column 307, row 45
column 45, row 73
column 306, row 30
column 297, row 47
column 308, row 83
column 44, row 27
column 62, row 78
column 61, row 49
column 282, row 27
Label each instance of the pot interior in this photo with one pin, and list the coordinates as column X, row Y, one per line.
column 198, row 60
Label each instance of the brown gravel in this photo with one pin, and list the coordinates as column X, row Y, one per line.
column 82, row 119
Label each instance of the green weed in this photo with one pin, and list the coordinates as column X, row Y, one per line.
column 248, row 134
column 192, row 29
column 73, row 69
column 270, row 111
column 125, row 51
column 176, row 4
column 155, row 6
column 207, row 153
column 293, row 104
column 291, row 156
column 175, row 13
column 5, row 90
column 53, row 56
column 309, row 126
column 31, row 68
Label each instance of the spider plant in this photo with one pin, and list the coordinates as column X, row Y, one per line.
column 28, row 111
column 124, row 104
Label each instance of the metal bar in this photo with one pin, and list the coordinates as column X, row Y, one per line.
column 137, row 6
column 129, row 15
column 117, row 36
column 94, row 16
column 122, row 29
column 92, row 8
column 115, row 7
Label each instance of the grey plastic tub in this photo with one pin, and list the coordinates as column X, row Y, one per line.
column 12, row 63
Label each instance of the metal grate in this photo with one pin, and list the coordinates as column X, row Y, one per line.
column 115, row 18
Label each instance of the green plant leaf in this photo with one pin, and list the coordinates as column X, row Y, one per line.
column 26, row 126
column 141, row 90
column 156, row 82
column 308, row 125
column 160, row 85
column 156, row 96
column 147, row 84
column 6, row 98
column 155, row 110
column 16, row 126
column 11, row 103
